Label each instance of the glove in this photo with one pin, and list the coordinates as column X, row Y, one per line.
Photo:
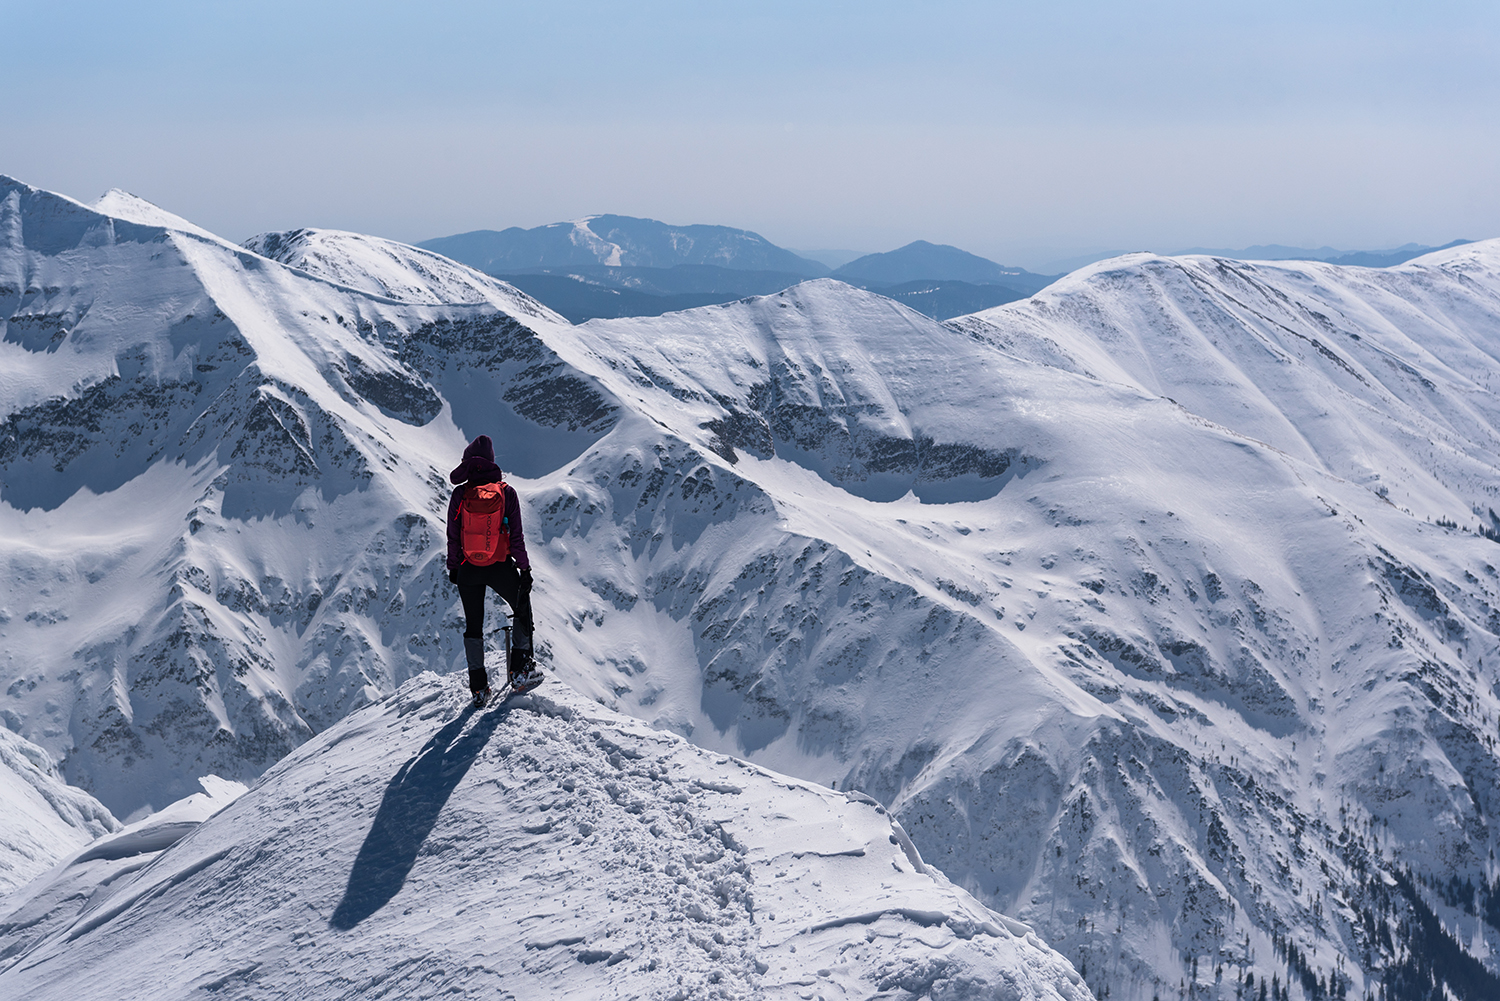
column 453, row 576
column 525, row 580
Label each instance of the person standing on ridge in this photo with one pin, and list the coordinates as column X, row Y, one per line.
column 486, row 549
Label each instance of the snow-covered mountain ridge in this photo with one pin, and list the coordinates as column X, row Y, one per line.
column 1098, row 591
column 1374, row 375
column 221, row 485
column 392, row 270
column 543, row 848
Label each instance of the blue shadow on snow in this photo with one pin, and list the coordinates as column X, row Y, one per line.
column 408, row 813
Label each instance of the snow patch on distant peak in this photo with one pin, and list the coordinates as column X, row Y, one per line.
column 608, row 253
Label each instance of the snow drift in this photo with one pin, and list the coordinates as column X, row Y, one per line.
column 44, row 817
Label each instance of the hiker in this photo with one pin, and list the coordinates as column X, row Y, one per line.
column 486, row 549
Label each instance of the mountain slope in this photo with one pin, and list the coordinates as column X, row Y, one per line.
column 1380, row 377
column 618, row 241
column 100, row 867
column 588, row 291
column 594, row 292
column 1121, row 588
column 420, row 848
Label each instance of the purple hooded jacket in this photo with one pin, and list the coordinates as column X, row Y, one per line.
column 479, row 467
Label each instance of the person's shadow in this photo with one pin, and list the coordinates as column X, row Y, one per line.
column 407, row 815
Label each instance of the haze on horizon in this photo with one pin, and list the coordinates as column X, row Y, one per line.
column 1021, row 132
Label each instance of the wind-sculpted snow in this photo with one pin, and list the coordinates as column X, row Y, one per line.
column 543, row 848
column 1158, row 607
column 89, row 876
column 44, row 818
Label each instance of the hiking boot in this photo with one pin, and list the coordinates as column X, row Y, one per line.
column 523, row 672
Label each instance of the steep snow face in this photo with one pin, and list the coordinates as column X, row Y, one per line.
column 393, row 270
column 868, row 395
column 119, row 204
column 223, row 486
column 44, row 818
column 544, row 848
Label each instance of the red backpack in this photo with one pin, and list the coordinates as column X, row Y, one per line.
column 484, row 530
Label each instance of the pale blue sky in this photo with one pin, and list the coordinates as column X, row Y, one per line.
column 1022, row 132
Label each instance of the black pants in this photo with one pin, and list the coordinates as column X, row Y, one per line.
column 506, row 581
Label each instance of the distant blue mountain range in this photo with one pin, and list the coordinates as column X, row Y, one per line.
column 614, row 265
column 609, row 265
column 921, row 260
column 619, row 241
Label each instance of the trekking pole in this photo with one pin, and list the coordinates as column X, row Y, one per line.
column 506, row 628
